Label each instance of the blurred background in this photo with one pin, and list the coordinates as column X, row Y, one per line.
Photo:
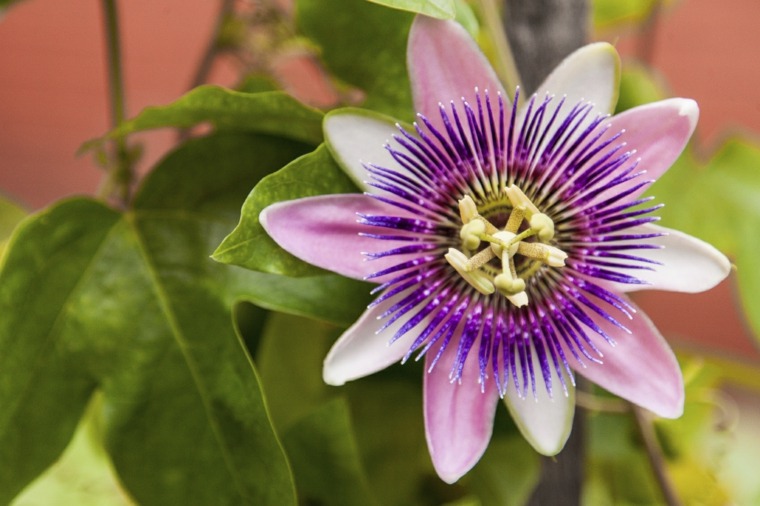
column 53, row 97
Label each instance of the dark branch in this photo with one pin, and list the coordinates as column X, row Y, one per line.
column 542, row 33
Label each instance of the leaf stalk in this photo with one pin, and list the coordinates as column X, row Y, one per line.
column 120, row 163
column 654, row 454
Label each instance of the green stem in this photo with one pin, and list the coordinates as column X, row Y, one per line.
column 654, row 453
column 648, row 32
column 207, row 60
column 120, row 166
column 505, row 65
column 206, row 63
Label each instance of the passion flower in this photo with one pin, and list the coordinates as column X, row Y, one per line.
column 503, row 240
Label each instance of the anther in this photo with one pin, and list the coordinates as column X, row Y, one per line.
column 549, row 255
column 477, row 278
column 519, row 200
column 513, row 288
column 543, row 226
column 468, row 211
column 470, row 234
column 473, row 262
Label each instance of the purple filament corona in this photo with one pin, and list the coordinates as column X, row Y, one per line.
column 573, row 170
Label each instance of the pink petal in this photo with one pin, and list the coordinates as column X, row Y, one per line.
column 591, row 73
column 641, row 367
column 545, row 421
column 445, row 64
column 658, row 132
column 357, row 136
column 688, row 264
column 458, row 416
column 362, row 351
column 324, row 232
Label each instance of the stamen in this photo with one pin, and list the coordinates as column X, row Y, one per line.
column 480, row 259
column 520, row 200
column 504, row 245
column 478, row 279
column 471, row 233
column 508, row 284
column 543, row 226
column 550, row 255
column 467, row 209
column 515, row 219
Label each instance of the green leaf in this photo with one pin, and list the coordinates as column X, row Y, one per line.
column 441, row 9
column 717, row 201
column 131, row 303
column 638, row 86
column 272, row 112
column 387, row 414
column 290, row 360
column 507, row 473
column 83, row 475
column 331, row 298
column 317, row 427
column 325, row 458
column 10, row 216
column 249, row 245
column 609, row 13
column 618, row 471
column 694, row 450
column 369, row 54
column 4, row 4
column 47, row 375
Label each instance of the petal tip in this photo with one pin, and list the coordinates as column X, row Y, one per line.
column 264, row 219
column 671, row 408
column 449, row 469
column 449, row 477
column 331, row 374
column 688, row 108
column 332, row 379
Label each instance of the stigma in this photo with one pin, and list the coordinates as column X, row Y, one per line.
column 502, row 260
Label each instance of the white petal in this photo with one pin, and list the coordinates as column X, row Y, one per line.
column 591, row 73
column 545, row 421
column 361, row 351
column 356, row 136
column 688, row 264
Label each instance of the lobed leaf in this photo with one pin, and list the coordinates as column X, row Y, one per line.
column 82, row 475
column 48, row 374
column 325, row 458
column 269, row 112
column 249, row 246
column 131, row 304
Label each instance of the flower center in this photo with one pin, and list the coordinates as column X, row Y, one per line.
column 484, row 244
